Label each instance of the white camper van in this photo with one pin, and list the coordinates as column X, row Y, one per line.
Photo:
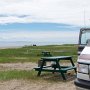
column 83, row 63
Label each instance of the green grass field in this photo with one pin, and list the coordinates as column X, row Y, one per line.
column 15, row 74
column 31, row 54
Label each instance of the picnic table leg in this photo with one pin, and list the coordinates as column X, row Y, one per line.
column 39, row 72
column 54, row 70
column 62, row 74
column 54, row 67
column 73, row 64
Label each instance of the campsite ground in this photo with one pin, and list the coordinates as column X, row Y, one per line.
column 44, row 84
column 16, row 68
column 29, row 85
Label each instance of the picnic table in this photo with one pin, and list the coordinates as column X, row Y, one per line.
column 57, row 67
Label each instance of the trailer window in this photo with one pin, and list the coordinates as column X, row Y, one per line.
column 85, row 37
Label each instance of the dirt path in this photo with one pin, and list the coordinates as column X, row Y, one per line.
column 31, row 85
column 17, row 66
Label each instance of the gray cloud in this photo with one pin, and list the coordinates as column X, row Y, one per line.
column 58, row 11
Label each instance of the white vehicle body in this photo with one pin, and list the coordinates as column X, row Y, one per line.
column 83, row 70
column 82, row 81
column 83, row 67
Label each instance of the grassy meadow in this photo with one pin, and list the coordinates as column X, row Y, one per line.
column 34, row 53
column 31, row 54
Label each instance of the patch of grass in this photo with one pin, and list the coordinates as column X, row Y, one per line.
column 31, row 75
column 34, row 53
column 18, row 59
column 14, row 74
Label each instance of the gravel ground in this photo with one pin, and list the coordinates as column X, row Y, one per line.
column 17, row 66
column 29, row 85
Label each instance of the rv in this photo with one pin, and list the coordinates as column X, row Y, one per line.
column 82, row 81
column 84, row 37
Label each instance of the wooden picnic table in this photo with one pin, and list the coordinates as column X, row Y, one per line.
column 56, row 67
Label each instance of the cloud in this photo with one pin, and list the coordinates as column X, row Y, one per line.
column 57, row 11
column 14, row 19
column 43, row 36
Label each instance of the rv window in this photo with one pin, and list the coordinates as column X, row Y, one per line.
column 85, row 37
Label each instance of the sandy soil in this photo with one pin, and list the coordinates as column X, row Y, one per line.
column 31, row 85
column 17, row 66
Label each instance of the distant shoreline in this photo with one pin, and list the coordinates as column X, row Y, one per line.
column 6, row 47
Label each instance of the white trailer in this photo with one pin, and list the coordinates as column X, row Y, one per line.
column 83, row 63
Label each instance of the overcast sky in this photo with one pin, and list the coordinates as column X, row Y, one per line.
column 69, row 12
column 59, row 11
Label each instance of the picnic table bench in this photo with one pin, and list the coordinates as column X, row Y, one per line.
column 57, row 67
